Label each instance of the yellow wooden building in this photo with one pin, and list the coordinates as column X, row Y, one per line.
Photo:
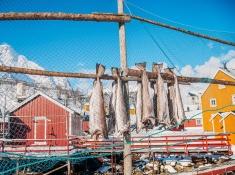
column 223, row 122
column 217, row 98
column 218, row 106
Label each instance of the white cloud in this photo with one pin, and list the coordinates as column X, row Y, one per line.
column 187, row 70
column 208, row 70
column 210, row 45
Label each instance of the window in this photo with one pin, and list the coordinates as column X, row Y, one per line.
column 212, row 102
column 233, row 99
column 188, row 109
column 198, row 122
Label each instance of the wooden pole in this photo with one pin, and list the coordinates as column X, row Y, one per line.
column 134, row 75
column 98, row 17
column 127, row 157
column 56, row 169
column 169, row 77
column 102, row 17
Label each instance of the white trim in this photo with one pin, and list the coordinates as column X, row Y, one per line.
column 233, row 99
column 213, row 126
column 200, row 123
column 225, row 115
column 213, row 116
column 70, row 124
column 36, row 118
column 45, row 96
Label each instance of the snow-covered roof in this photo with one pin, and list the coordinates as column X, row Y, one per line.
column 223, row 115
column 194, row 114
column 226, row 114
column 45, row 96
column 231, row 74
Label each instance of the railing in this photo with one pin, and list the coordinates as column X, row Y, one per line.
column 185, row 144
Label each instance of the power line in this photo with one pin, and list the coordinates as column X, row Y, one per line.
column 176, row 22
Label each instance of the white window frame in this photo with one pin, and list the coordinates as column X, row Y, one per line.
column 213, row 105
column 198, row 123
column 233, row 99
column 36, row 118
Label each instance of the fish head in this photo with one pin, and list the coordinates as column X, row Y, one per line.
column 100, row 69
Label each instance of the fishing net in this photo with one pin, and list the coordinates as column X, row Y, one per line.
column 33, row 140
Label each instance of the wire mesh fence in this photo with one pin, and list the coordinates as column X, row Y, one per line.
column 36, row 135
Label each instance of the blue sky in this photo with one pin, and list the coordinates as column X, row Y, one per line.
column 75, row 46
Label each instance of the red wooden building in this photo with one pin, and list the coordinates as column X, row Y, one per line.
column 194, row 120
column 42, row 120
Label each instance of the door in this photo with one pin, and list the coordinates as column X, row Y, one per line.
column 40, row 130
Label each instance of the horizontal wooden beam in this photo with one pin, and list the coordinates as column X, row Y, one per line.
column 98, row 17
column 181, row 79
column 133, row 75
column 101, row 17
column 182, row 30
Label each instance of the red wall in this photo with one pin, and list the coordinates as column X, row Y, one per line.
column 22, row 126
column 190, row 123
column 85, row 126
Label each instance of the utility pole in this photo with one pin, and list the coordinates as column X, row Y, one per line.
column 123, row 60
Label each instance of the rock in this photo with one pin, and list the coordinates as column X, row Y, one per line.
column 170, row 162
column 170, row 169
column 149, row 172
column 153, row 166
column 179, row 168
column 185, row 162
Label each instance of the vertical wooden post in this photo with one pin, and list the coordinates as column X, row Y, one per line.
column 69, row 167
column 123, row 62
column 68, row 146
column 17, row 166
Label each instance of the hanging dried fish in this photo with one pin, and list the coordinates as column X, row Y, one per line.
column 97, row 123
column 171, row 102
column 162, row 101
column 119, row 106
column 178, row 100
column 139, row 105
column 171, row 99
column 175, row 100
column 148, row 118
column 112, row 109
column 121, row 110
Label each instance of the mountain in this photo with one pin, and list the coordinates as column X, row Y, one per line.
column 9, row 57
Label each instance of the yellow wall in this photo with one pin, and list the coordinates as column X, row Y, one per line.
column 223, row 98
column 229, row 122
column 218, row 126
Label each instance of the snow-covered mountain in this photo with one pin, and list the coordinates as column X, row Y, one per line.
column 9, row 57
